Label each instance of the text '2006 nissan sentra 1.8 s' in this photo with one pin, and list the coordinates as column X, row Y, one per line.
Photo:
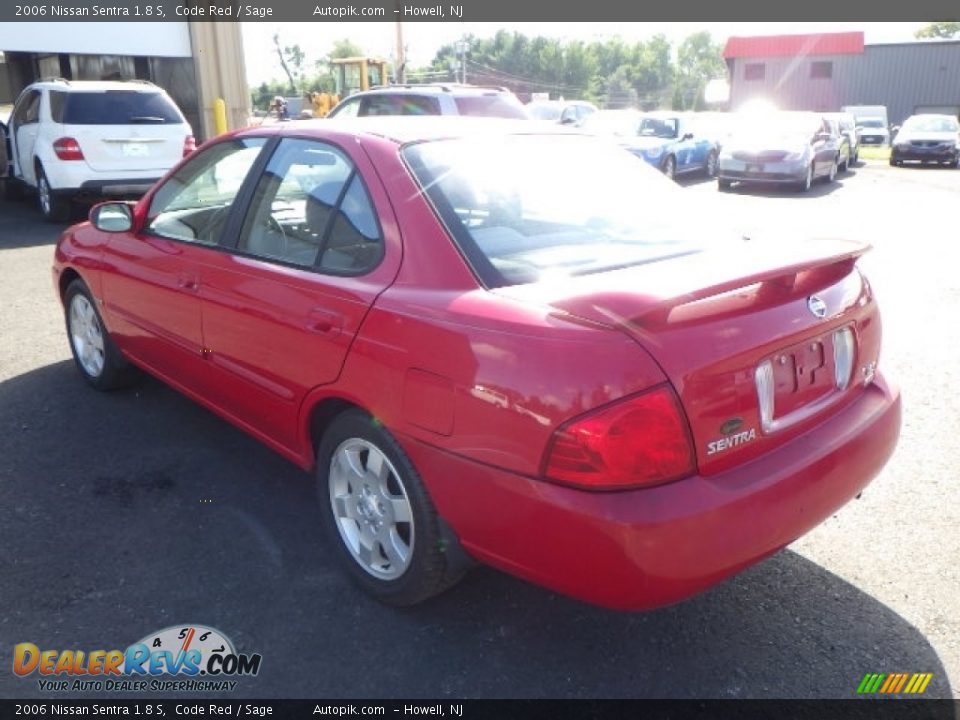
column 495, row 343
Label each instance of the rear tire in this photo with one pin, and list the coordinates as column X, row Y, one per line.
column 724, row 185
column 710, row 167
column 96, row 356
column 55, row 208
column 377, row 513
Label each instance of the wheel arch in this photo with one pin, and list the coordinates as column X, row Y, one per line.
column 318, row 413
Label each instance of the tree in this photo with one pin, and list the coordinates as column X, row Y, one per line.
column 939, row 30
column 345, row 48
column 291, row 60
column 699, row 60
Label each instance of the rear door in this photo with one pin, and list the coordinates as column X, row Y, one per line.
column 135, row 130
column 283, row 306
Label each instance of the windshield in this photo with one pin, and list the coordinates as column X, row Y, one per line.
column 931, row 124
column 525, row 208
column 659, row 127
column 871, row 123
column 544, row 111
column 613, row 122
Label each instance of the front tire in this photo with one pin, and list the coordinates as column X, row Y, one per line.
column 55, row 209
column 807, row 181
column 376, row 511
column 669, row 167
column 832, row 176
column 97, row 358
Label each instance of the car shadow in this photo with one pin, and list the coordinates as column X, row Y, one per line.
column 22, row 225
column 124, row 513
column 820, row 188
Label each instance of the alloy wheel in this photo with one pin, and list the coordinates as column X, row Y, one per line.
column 86, row 335
column 371, row 509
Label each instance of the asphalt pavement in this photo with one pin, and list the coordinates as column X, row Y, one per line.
column 125, row 513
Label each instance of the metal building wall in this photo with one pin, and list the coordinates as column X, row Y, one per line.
column 220, row 72
column 903, row 77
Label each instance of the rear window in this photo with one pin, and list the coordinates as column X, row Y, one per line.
column 525, row 208
column 498, row 105
column 114, row 107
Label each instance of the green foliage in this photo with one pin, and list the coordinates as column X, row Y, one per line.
column 612, row 73
column 939, row 30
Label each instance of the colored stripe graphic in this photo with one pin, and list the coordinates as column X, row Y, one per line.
column 894, row 683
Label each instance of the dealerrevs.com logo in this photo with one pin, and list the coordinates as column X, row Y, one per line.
column 199, row 657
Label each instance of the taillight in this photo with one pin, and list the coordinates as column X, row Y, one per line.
column 641, row 440
column 67, row 148
column 189, row 145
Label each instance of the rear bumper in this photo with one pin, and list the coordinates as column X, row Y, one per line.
column 641, row 549
column 771, row 172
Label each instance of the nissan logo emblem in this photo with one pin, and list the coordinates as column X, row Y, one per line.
column 817, row 306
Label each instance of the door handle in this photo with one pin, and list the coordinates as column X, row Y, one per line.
column 324, row 322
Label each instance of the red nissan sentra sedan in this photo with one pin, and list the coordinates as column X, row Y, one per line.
column 499, row 344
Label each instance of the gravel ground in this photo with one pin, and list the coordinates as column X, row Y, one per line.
column 124, row 513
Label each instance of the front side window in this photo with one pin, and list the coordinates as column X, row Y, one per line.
column 310, row 209
column 193, row 204
column 520, row 216
column 28, row 109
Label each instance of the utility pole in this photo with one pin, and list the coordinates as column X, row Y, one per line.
column 401, row 62
column 462, row 47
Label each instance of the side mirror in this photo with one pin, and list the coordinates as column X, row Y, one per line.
column 895, row 128
column 112, row 217
column 687, row 136
column 568, row 120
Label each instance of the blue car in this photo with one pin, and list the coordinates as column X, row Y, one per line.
column 675, row 143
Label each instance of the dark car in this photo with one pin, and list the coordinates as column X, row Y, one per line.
column 433, row 99
column 927, row 139
column 781, row 148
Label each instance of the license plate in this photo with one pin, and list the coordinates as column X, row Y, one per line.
column 802, row 374
column 136, row 150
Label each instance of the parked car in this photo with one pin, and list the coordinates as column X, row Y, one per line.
column 781, row 148
column 673, row 143
column 843, row 143
column 927, row 138
column 84, row 138
column 483, row 355
column 564, row 112
column 873, row 131
column 847, row 128
column 432, row 99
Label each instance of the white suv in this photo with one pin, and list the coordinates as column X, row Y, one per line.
column 71, row 138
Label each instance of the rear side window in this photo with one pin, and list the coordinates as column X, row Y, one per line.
column 58, row 100
column 498, row 105
column 311, row 209
column 119, row 107
column 400, row 105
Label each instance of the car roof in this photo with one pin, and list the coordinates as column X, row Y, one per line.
column 97, row 85
column 433, row 89
column 403, row 129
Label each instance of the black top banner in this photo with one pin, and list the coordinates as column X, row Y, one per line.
column 469, row 10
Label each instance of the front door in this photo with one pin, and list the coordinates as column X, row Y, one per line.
column 151, row 283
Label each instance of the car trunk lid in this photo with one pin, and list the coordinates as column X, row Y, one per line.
column 747, row 334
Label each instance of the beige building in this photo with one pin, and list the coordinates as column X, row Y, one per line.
column 195, row 62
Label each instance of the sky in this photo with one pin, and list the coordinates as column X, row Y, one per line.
column 423, row 39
